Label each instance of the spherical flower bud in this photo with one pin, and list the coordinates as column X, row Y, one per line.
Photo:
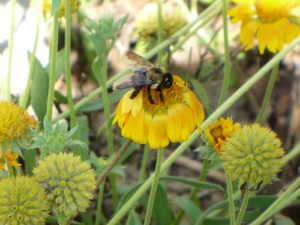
column 22, row 201
column 252, row 155
column 147, row 20
column 219, row 131
column 14, row 122
column 69, row 182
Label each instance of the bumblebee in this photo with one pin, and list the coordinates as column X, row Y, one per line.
column 145, row 74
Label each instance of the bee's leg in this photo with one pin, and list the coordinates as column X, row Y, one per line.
column 161, row 94
column 135, row 92
column 150, row 99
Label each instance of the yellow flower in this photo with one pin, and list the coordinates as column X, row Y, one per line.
column 271, row 22
column 14, row 122
column 173, row 120
column 22, row 201
column 47, row 7
column 219, row 131
column 9, row 157
column 252, row 155
column 147, row 19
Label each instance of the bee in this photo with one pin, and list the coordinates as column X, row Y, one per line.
column 145, row 74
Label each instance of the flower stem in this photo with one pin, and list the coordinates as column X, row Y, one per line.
column 24, row 99
column 160, row 34
column 243, row 208
column 230, row 200
column 160, row 154
column 276, row 205
column 113, row 162
column 260, row 116
column 68, row 64
column 291, row 154
column 53, row 53
column 10, row 49
column 99, row 204
column 227, row 67
column 216, row 114
column 144, row 163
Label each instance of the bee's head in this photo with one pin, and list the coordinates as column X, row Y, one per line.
column 167, row 80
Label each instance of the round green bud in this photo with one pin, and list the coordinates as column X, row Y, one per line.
column 68, row 180
column 252, row 155
column 22, row 201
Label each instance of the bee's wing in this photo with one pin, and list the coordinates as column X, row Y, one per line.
column 136, row 79
column 138, row 60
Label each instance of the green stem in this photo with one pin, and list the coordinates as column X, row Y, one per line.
column 195, row 29
column 99, row 204
column 275, row 206
column 160, row 154
column 151, row 53
column 144, row 163
column 68, row 63
column 53, row 53
column 260, row 116
column 230, row 200
column 216, row 114
column 106, row 103
column 243, row 208
column 160, row 34
column 227, row 67
column 291, row 154
column 24, row 99
column 10, row 49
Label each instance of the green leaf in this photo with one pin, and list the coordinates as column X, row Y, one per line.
column 128, row 194
column 201, row 92
column 118, row 170
column 194, row 183
column 161, row 208
column 190, row 208
column 98, row 104
column 59, row 97
column 133, row 219
column 55, row 6
column 81, row 134
column 39, row 90
column 280, row 219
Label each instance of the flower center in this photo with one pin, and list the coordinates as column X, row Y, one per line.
column 217, row 133
column 272, row 10
column 163, row 99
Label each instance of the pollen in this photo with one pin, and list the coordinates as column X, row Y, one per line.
column 170, row 96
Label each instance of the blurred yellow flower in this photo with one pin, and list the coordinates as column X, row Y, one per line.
column 173, row 120
column 219, row 131
column 47, row 7
column 9, row 157
column 147, row 19
column 14, row 122
column 271, row 22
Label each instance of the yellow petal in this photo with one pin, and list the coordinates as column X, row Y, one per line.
column 158, row 137
column 137, row 104
column 188, row 123
column 174, row 123
column 126, row 103
column 196, row 107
